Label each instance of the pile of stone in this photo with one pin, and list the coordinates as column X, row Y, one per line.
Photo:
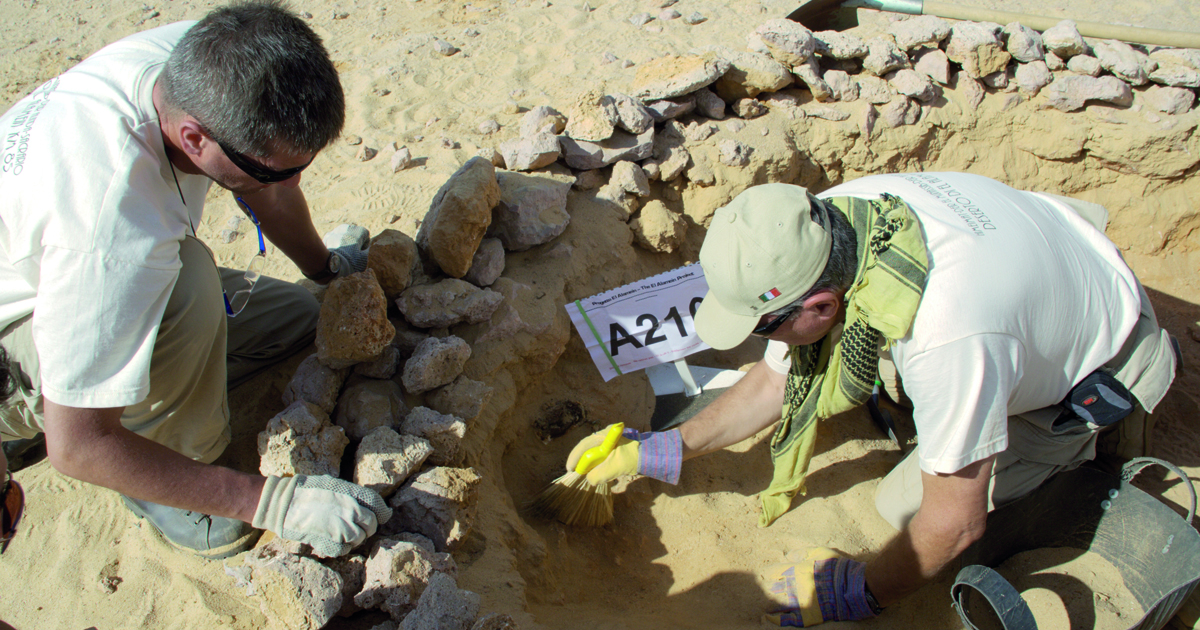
column 644, row 135
column 392, row 392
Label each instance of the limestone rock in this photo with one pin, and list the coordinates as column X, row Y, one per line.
column 933, row 63
column 592, row 117
column 747, row 108
column 1032, row 77
column 838, row 45
column 874, row 90
column 532, row 152
column 694, row 18
column 734, row 153
column 913, row 84
column 632, row 116
column 438, row 504
column 1069, row 93
column 658, row 229
column 671, row 76
column 788, row 42
column 434, row 363
column 391, row 256
column 293, row 591
column 443, row 606
column 353, row 571
column 353, row 324
column 588, row 180
column 1024, row 43
column 1187, row 57
column 401, row 159
column 487, row 264
column 463, row 397
column 443, row 431
column 315, row 383
column 397, row 572
column 750, row 74
column 300, row 440
column 977, row 48
column 366, row 153
column 883, row 56
column 631, row 178
column 385, row 459
column 1085, row 64
column 1124, row 62
column 997, row 80
column 459, row 216
column 810, row 73
column 922, row 30
column 1063, row 39
column 1175, row 75
column 368, row 405
column 825, row 112
column 532, row 210
column 672, row 164
column 970, row 88
column 668, row 109
column 1170, row 100
column 709, row 104
column 537, row 118
column 866, row 120
column 582, row 155
column 901, row 111
column 381, row 367
column 1056, row 63
column 446, row 303
column 841, row 86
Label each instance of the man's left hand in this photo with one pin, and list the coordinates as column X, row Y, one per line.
column 821, row 587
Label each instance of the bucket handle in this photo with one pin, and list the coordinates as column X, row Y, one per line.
column 1135, row 465
column 1010, row 607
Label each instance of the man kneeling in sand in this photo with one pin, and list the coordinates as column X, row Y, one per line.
column 123, row 333
column 988, row 307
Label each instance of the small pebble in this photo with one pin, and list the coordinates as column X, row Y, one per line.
column 229, row 236
column 626, row 63
column 353, row 140
column 340, row 15
column 401, row 159
column 432, row 121
column 587, row 8
column 381, row 91
column 444, row 48
column 608, row 57
column 306, row 15
column 366, row 153
column 447, row 143
column 668, row 14
column 766, row 132
column 695, row 18
column 511, row 107
column 470, row 33
column 666, row 3
column 489, row 126
column 641, row 19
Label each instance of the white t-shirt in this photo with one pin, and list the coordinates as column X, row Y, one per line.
column 1023, row 300
column 91, row 221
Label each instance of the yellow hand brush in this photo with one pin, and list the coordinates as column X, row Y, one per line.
column 572, row 499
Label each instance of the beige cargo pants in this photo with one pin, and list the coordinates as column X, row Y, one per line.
column 198, row 355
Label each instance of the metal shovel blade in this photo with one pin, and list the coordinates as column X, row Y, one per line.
column 825, row 15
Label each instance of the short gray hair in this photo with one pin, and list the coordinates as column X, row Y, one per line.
column 842, row 267
column 253, row 73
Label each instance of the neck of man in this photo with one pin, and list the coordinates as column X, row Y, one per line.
column 169, row 119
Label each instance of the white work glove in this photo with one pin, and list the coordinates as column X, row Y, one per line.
column 331, row 515
column 349, row 242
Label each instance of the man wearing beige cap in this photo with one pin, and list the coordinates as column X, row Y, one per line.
column 1011, row 322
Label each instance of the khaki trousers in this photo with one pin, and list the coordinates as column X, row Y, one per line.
column 198, row 354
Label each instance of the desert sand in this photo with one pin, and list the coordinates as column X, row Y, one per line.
column 681, row 556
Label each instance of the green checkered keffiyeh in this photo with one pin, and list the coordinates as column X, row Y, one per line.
column 838, row 373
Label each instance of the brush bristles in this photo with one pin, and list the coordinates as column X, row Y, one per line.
column 574, row 501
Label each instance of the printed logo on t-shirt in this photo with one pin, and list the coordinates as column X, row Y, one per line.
column 15, row 144
column 965, row 207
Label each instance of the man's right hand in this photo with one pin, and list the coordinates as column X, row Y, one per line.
column 331, row 515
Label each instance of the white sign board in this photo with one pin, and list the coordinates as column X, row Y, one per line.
column 643, row 323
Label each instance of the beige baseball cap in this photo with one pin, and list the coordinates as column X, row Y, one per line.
column 762, row 251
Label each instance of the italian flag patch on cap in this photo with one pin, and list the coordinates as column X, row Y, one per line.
column 769, row 295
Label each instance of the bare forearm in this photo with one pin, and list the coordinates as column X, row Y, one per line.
column 108, row 455
column 748, row 407
column 285, row 219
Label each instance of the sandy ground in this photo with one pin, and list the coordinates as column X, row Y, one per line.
column 676, row 557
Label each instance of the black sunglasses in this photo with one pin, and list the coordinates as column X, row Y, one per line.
column 769, row 328
column 260, row 173
column 12, row 504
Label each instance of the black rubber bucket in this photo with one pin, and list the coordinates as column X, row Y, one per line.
column 1156, row 551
